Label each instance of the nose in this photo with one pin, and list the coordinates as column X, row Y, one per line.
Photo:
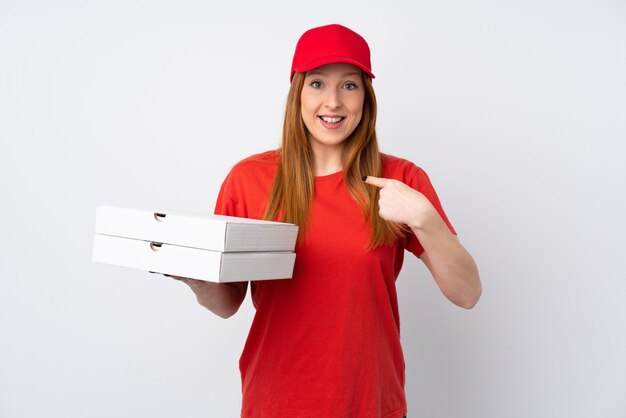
column 333, row 99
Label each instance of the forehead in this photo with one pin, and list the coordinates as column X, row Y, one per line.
column 335, row 69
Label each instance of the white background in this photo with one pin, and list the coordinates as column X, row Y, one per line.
column 517, row 110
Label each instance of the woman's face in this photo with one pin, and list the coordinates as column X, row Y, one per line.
column 332, row 103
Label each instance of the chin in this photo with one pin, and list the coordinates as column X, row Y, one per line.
column 330, row 142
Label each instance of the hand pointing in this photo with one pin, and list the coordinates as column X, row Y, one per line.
column 400, row 203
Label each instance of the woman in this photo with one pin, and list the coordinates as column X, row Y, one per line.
column 326, row 343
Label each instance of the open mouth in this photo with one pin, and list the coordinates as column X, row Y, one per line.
column 332, row 119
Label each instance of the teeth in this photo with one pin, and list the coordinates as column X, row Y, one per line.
column 331, row 120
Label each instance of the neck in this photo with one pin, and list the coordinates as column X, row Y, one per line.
column 327, row 159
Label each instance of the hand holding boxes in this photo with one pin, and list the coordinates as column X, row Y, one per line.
column 199, row 246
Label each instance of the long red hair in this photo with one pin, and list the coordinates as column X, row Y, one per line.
column 292, row 191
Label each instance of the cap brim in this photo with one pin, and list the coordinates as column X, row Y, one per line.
column 311, row 65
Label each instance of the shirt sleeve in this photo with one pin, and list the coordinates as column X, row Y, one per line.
column 227, row 201
column 245, row 190
column 419, row 180
column 230, row 200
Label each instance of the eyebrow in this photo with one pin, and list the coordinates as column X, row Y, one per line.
column 326, row 74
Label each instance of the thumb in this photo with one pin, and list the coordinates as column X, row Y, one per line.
column 375, row 181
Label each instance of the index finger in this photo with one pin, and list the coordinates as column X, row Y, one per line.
column 375, row 181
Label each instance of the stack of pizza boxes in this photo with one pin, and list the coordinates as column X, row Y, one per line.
column 199, row 246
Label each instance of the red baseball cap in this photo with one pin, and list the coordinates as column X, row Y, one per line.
column 329, row 44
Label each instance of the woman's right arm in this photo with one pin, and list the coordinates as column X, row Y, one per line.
column 223, row 299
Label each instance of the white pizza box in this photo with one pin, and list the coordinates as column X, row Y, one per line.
column 195, row 263
column 206, row 231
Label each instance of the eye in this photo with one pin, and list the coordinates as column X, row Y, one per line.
column 316, row 84
column 350, row 86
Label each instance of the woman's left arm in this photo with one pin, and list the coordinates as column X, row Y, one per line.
column 450, row 264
